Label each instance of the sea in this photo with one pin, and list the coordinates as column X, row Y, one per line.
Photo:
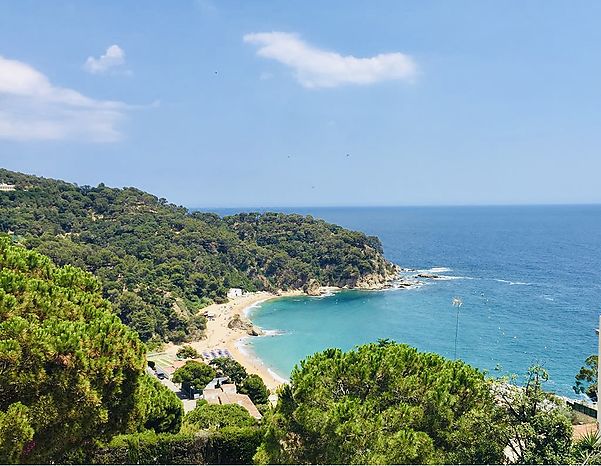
column 528, row 278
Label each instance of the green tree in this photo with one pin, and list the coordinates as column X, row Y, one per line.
column 586, row 379
column 187, row 352
column 539, row 428
column 231, row 368
column 159, row 409
column 384, row 403
column 15, row 433
column 255, row 388
column 194, row 375
column 69, row 368
column 208, row 416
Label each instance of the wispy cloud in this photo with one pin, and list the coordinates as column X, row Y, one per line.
column 113, row 57
column 32, row 108
column 316, row 68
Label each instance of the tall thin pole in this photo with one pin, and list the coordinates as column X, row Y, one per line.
column 456, row 332
column 456, row 303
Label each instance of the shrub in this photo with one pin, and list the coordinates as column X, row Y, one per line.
column 159, row 409
column 187, row 352
column 207, row 416
column 228, row 446
column 230, row 368
column 255, row 388
column 194, row 374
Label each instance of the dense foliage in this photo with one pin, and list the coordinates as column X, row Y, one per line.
column 194, row 374
column 209, row 416
column 586, row 379
column 227, row 367
column 539, row 430
column 587, row 449
column 251, row 385
column 69, row 369
column 187, row 352
column 255, row 388
column 226, row 446
column 159, row 264
column 158, row 408
column 384, row 403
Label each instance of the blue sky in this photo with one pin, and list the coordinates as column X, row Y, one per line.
column 240, row 103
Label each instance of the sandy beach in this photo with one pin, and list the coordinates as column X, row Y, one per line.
column 219, row 335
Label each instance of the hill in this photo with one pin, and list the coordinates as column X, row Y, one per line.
column 159, row 263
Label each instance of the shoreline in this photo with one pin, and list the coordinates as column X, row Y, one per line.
column 219, row 335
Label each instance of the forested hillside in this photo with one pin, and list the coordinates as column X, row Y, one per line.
column 158, row 263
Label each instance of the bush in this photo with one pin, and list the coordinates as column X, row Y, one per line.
column 194, row 374
column 230, row 368
column 255, row 388
column 187, row 352
column 233, row 445
column 206, row 416
column 159, row 409
column 151, row 448
column 228, row 446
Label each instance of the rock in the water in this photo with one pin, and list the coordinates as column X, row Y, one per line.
column 254, row 332
column 428, row 275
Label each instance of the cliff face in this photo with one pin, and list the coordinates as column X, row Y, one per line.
column 380, row 279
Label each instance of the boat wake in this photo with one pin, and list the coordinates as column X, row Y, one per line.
column 509, row 282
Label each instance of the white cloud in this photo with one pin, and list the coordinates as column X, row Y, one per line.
column 114, row 56
column 316, row 68
column 32, row 108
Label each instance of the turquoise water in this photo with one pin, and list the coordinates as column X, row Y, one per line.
column 529, row 278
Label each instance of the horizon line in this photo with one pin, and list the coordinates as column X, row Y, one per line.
column 396, row 206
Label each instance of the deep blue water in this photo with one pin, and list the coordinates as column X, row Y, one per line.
column 529, row 278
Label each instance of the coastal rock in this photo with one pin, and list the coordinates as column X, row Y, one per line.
column 312, row 288
column 428, row 275
column 406, row 283
column 372, row 282
column 254, row 332
column 239, row 323
column 405, row 269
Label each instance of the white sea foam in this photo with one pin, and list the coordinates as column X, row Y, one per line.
column 272, row 332
column 246, row 311
column 452, row 277
column 326, row 294
column 243, row 347
column 438, row 270
column 509, row 282
column 413, row 286
column 276, row 376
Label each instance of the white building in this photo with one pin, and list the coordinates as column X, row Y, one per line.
column 7, row 187
column 235, row 292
